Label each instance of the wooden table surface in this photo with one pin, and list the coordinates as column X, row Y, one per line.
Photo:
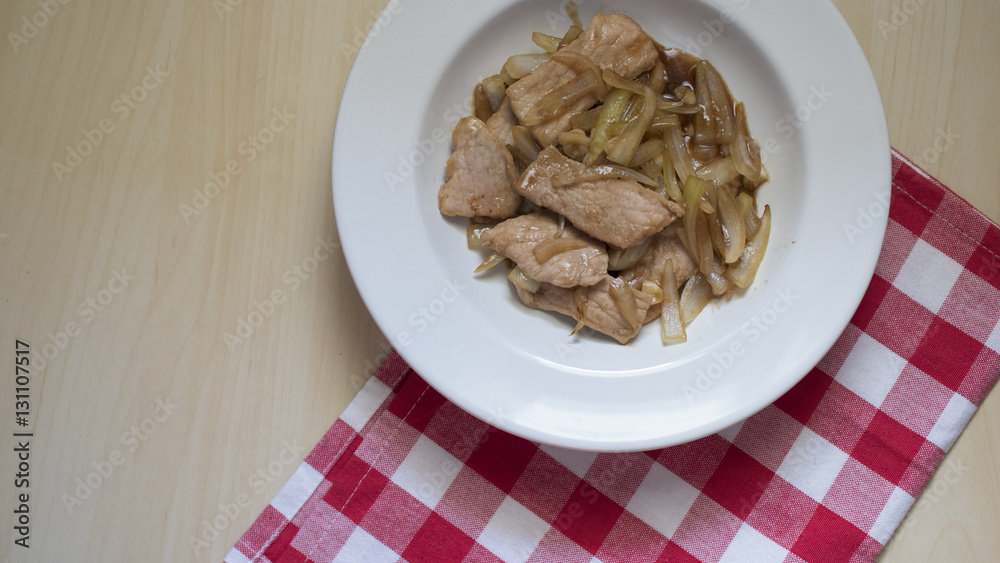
column 136, row 288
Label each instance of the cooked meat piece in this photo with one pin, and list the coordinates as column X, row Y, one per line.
column 518, row 239
column 612, row 41
column 663, row 246
column 601, row 313
column 619, row 212
column 481, row 175
column 501, row 123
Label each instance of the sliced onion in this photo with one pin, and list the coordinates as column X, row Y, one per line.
column 696, row 296
column 743, row 272
column 586, row 120
column 574, row 137
column 723, row 103
column 612, row 110
column 715, row 124
column 720, row 172
column 673, row 138
column 520, row 279
column 658, row 77
column 525, row 143
column 474, row 234
column 545, row 250
column 744, row 149
column 580, row 65
column 661, row 121
column 647, row 152
column 602, row 172
column 548, row 43
column 653, row 290
column 561, row 99
column 624, row 297
column 670, row 314
column 574, row 13
column 572, row 34
column 635, row 282
column 495, row 90
column 717, row 279
column 482, row 108
column 493, row 260
column 616, row 80
column 732, row 225
column 747, row 210
column 624, row 258
column 580, row 299
column 704, row 153
column 715, row 231
column 653, row 168
column 622, row 148
column 705, row 252
column 686, row 242
column 520, row 66
column 676, row 107
column 709, row 199
column 506, row 76
column 670, row 184
column 693, row 190
column 686, row 95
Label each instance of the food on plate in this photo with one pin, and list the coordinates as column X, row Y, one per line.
column 616, row 180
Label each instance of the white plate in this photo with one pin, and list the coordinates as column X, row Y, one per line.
column 472, row 340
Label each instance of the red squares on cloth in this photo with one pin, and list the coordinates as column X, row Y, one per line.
column 416, row 403
column 947, row 354
column 782, row 512
column 984, row 262
column 803, row 399
column 438, row 541
column 502, row 458
column 738, row 483
column 588, row 517
column 281, row 545
column 628, row 533
column 888, row 447
column 876, row 293
column 355, row 488
column 695, row 461
column 828, row 538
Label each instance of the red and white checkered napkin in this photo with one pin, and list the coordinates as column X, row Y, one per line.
column 826, row 474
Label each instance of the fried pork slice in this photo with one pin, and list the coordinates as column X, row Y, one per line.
column 618, row 212
column 502, row 123
column 612, row 41
column 481, row 175
column 664, row 245
column 601, row 313
column 529, row 239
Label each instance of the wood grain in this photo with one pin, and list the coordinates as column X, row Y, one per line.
column 235, row 418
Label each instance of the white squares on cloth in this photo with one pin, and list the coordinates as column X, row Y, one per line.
column 812, row 465
column 751, row 545
column 951, row 422
column 362, row 547
column 871, row 370
column 662, row 500
column 928, row 276
column 513, row 532
column 427, row 472
column 297, row 490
